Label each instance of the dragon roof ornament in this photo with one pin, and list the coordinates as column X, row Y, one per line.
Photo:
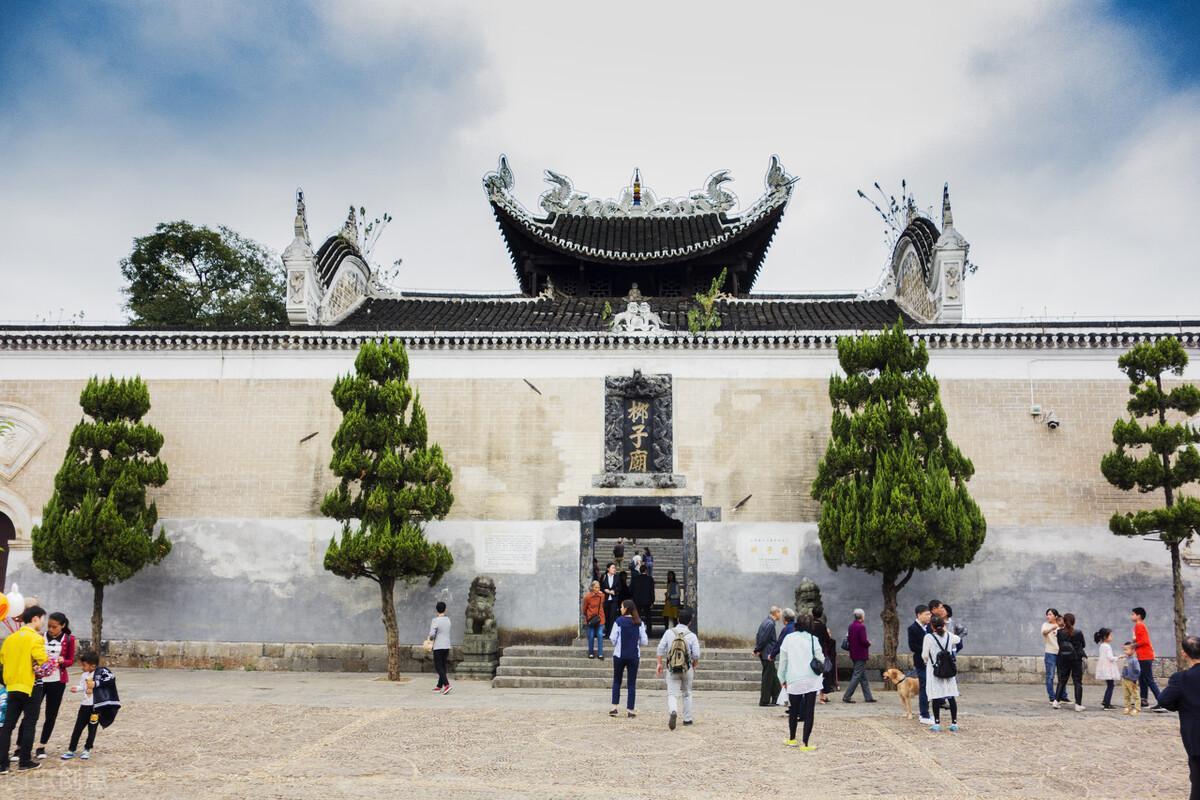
column 637, row 200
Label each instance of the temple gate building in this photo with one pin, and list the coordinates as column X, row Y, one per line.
column 580, row 409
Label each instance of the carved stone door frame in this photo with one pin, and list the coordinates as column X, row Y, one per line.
column 685, row 510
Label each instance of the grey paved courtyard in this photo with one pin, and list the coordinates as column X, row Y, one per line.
column 322, row 735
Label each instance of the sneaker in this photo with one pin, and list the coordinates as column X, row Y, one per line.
column 591, row 655
column 1145, row 704
column 40, row 754
column 631, row 714
column 448, row 689
column 1157, row 709
column 926, row 720
column 67, row 756
column 1054, row 704
column 1128, row 712
column 954, row 727
column 437, row 690
column 1078, row 707
column 613, row 713
column 29, row 766
column 870, row 700
column 847, row 700
column 935, row 728
column 1136, row 711
column 791, row 743
column 687, row 722
column 85, row 755
column 807, row 748
column 671, row 721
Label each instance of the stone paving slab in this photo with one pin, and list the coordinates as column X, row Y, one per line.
column 327, row 736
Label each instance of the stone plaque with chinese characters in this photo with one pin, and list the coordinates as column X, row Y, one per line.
column 637, row 434
column 507, row 551
column 638, row 446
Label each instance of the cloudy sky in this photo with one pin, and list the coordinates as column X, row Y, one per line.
column 1069, row 133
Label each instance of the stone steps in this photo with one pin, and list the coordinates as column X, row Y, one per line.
column 545, row 667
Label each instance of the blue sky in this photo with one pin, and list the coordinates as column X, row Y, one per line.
column 1069, row 132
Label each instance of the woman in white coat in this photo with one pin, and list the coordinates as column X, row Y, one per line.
column 799, row 679
column 941, row 691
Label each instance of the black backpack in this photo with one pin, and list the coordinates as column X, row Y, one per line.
column 944, row 666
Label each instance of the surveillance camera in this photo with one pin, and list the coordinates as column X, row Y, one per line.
column 1052, row 421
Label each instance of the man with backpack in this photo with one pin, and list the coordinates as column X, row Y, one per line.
column 679, row 651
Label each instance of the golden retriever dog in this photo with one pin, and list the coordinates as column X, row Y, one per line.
column 906, row 688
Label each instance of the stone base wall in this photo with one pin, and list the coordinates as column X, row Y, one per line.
column 268, row 656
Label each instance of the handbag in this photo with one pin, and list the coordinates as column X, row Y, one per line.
column 846, row 643
column 817, row 665
column 427, row 645
column 593, row 620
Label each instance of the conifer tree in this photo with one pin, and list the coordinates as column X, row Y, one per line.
column 97, row 526
column 1168, row 461
column 892, row 485
column 391, row 481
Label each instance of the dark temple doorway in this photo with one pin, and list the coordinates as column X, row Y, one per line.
column 641, row 528
column 8, row 532
column 667, row 525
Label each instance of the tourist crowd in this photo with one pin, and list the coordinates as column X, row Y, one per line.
column 35, row 661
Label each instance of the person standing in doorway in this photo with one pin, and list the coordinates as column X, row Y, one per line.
column 642, row 590
column 1071, row 653
column 614, row 592
column 593, row 620
column 439, row 633
column 60, row 648
column 800, row 652
column 648, row 562
column 1183, row 695
column 860, row 651
column 764, row 642
column 1145, row 654
column 672, row 600
column 628, row 636
column 1050, row 645
column 619, row 551
column 681, row 649
column 916, row 646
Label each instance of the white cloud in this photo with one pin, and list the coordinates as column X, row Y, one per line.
column 1072, row 164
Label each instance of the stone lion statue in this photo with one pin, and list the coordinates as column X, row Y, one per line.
column 808, row 597
column 481, row 606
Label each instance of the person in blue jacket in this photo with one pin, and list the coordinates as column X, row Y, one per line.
column 628, row 635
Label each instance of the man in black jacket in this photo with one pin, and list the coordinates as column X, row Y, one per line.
column 916, row 644
column 613, row 586
column 641, row 589
column 1183, row 695
column 764, row 643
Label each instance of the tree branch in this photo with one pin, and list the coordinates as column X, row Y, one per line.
column 904, row 581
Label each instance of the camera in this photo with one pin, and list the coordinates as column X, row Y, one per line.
column 1052, row 421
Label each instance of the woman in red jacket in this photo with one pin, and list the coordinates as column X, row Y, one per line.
column 60, row 647
column 592, row 608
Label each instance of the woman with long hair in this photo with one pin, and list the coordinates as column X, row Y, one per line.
column 672, row 601
column 798, row 654
column 628, row 635
column 60, row 646
column 1071, row 653
column 940, row 691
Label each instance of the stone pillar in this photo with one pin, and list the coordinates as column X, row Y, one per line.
column 950, row 266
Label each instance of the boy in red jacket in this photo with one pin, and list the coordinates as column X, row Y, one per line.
column 1145, row 657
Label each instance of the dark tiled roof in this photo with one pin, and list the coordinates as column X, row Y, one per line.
column 586, row 314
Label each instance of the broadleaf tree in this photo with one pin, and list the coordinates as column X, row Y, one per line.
column 188, row 276
column 892, row 486
column 97, row 526
column 391, row 482
column 1157, row 453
